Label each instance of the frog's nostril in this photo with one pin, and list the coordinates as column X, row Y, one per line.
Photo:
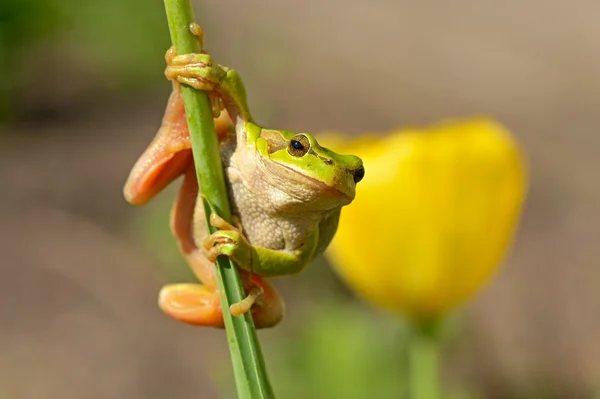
column 359, row 174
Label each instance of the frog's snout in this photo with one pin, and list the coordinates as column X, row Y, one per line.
column 358, row 173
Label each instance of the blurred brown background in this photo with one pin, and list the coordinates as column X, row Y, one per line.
column 82, row 93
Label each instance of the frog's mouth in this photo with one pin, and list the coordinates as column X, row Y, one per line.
column 346, row 197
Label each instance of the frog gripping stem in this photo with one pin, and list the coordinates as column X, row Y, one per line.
column 247, row 359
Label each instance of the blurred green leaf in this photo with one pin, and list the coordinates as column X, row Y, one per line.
column 22, row 22
column 122, row 41
column 120, row 45
column 341, row 352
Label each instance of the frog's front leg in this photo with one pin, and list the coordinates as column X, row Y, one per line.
column 257, row 260
column 199, row 71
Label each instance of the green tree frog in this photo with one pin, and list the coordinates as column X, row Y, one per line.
column 286, row 192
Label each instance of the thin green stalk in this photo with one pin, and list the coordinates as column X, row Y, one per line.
column 248, row 364
column 423, row 359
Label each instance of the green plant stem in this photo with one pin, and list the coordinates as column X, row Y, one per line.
column 423, row 358
column 246, row 355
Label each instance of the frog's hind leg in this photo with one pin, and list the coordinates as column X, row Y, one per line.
column 170, row 153
column 165, row 159
column 188, row 222
column 197, row 304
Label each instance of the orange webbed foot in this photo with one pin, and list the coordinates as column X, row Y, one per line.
column 191, row 303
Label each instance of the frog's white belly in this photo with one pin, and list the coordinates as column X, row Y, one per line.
column 263, row 224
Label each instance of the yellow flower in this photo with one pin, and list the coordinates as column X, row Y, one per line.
column 432, row 218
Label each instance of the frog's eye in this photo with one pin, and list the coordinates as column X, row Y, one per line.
column 299, row 146
column 359, row 174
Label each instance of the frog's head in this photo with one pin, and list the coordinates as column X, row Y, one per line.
column 300, row 167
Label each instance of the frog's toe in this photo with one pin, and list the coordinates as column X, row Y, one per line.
column 246, row 304
column 191, row 303
column 196, row 60
column 229, row 243
column 192, row 81
column 220, row 223
column 170, row 54
column 227, row 249
column 197, row 31
column 221, row 237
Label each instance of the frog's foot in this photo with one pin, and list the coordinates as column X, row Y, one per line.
column 263, row 300
column 228, row 241
column 269, row 308
column 195, row 69
column 198, row 71
column 191, row 303
column 220, row 223
column 197, row 305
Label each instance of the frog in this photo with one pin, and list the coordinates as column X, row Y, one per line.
column 286, row 193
